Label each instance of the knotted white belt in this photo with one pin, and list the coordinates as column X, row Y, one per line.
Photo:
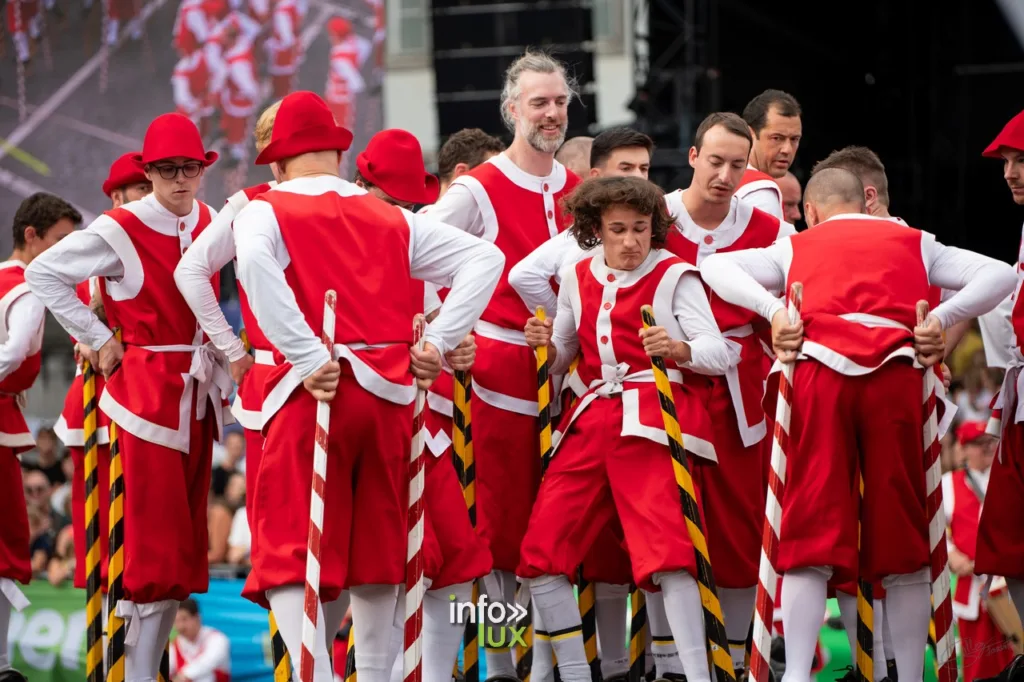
column 614, row 376
column 209, row 368
column 264, row 357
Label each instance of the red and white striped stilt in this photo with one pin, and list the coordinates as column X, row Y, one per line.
column 316, row 511
column 412, row 667
column 942, row 603
column 768, row 579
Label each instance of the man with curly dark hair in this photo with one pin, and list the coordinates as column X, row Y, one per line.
column 615, row 443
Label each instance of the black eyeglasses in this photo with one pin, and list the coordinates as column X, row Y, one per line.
column 34, row 489
column 192, row 169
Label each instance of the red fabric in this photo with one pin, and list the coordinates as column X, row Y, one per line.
column 165, row 524
column 734, row 495
column 1000, row 549
column 184, row 40
column 303, row 124
column 171, row 135
column 338, row 90
column 523, row 226
column 234, row 128
column 1012, row 136
column 984, row 649
column 463, row 554
column 594, row 477
column 234, row 101
column 1017, row 313
column 124, row 171
column 282, row 83
column 78, row 510
column 344, row 113
column 507, row 453
column 14, row 535
column 836, row 420
column 888, row 287
column 74, row 407
column 367, row 469
column 393, row 161
column 13, row 426
column 13, row 287
column 29, row 9
column 753, row 175
column 257, row 339
column 607, row 561
column 253, row 455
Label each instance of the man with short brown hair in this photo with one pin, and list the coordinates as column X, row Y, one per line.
column 774, row 121
column 464, row 151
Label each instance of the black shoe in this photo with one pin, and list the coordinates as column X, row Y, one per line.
column 850, row 676
column 672, row 677
column 12, row 675
column 890, row 670
column 496, row 678
column 1014, row 672
column 620, row 677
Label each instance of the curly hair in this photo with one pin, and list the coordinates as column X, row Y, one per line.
column 596, row 195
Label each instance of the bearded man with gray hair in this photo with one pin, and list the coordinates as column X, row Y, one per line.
column 514, row 200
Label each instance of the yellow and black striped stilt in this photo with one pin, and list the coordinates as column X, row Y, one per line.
column 465, row 466
column 714, row 621
column 115, row 570
column 93, row 595
column 638, row 633
column 588, row 616
column 165, row 665
column 865, row 614
column 350, row 656
column 282, row 661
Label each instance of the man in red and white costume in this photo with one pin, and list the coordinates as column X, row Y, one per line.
column 391, row 168
column 164, row 387
column 312, row 233
column 199, row 653
column 191, row 81
column 284, row 46
column 344, row 79
column 513, row 200
column 39, row 223
column 614, row 443
column 984, row 649
column 125, row 182
column 23, row 22
column 194, row 276
column 1001, row 534
column 191, row 26
column 858, row 353
column 774, row 120
column 237, row 88
column 617, row 152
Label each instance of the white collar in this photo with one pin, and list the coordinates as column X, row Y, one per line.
column 727, row 232
column 625, row 278
column 12, row 264
column 854, row 216
column 550, row 183
column 157, row 218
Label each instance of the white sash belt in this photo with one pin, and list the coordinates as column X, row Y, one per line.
column 493, row 331
column 209, row 368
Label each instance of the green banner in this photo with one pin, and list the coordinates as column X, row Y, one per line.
column 48, row 638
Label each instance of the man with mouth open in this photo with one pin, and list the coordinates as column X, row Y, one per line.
column 774, row 120
column 164, row 387
column 512, row 199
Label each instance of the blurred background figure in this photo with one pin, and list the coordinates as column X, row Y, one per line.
column 574, row 154
column 199, row 653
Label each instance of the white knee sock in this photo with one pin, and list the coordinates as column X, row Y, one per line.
column 334, row 614
column 553, row 596
column 848, row 613
column 908, row 608
column 610, row 613
column 686, row 617
column 442, row 637
column 288, row 604
column 1016, row 590
column 663, row 645
column 142, row 659
column 499, row 661
column 804, row 593
column 5, row 624
column 890, row 653
column 374, row 611
column 543, row 669
column 738, row 610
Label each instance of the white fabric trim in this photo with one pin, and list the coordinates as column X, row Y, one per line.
column 483, row 203
column 438, row 443
column 130, row 284
column 505, row 402
column 175, row 439
column 723, row 236
column 440, row 404
column 13, row 594
column 17, row 440
column 75, row 438
column 631, row 426
column 248, row 419
column 489, row 330
column 534, row 183
column 264, row 357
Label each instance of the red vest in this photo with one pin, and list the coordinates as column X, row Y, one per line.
column 185, row 41
column 70, row 426
column 754, row 180
column 963, row 529
column 337, row 87
column 13, row 287
column 235, row 102
column 523, row 219
column 1017, row 315
column 257, row 339
column 857, row 270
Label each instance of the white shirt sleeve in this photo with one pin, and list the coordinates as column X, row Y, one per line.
column 345, row 70
column 262, row 258
column 283, row 30
column 531, row 277
column 470, row 267
column 767, row 200
column 55, row 273
column 196, row 23
column 431, row 301
column 244, row 78
column 458, row 207
column 997, row 334
column 746, row 278
column 710, row 353
column 25, row 319
column 215, row 653
column 980, row 282
column 207, row 256
column 564, row 335
column 182, row 92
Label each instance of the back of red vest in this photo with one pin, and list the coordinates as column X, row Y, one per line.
column 12, row 287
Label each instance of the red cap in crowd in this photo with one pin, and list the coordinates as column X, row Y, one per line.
column 1012, row 136
column 968, row 432
column 124, row 171
column 393, row 161
column 171, row 135
column 339, row 27
column 303, row 125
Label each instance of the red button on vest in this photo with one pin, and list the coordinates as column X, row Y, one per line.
column 607, row 306
column 551, row 214
column 184, row 249
column 545, row 187
column 709, row 239
column 611, row 278
column 181, row 226
column 604, row 339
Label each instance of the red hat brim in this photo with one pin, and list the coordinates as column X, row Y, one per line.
column 113, row 182
column 211, row 156
column 427, row 194
column 316, row 139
